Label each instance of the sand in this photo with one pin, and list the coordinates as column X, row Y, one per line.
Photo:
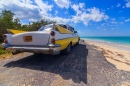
column 116, row 56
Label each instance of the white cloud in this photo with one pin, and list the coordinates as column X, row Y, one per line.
column 56, row 12
column 27, row 1
column 59, row 19
column 123, row 6
column 63, row 3
column 128, row 3
column 127, row 20
column 118, row 5
column 121, row 22
column 66, row 12
column 112, row 6
column 22, row 9
column 78, row 8
column 38, row 9
column 108, row 8
column 96, row 15
column 25, row 9
column 87, row 15
column 92, row 14
column 114, row 22
column 103, row 24
column 44, row 7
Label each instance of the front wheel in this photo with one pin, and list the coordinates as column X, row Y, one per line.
column 78, row 41
column 68, row 49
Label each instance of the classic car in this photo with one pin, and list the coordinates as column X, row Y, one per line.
column 49, row 39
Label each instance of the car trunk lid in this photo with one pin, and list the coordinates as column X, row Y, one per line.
column 31, row 38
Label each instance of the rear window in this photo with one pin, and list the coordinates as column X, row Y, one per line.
column 46, row 27
column 64, row 26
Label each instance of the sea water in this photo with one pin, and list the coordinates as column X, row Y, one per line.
column 118, row 41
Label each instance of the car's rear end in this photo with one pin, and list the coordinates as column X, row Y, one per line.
column 37, row 42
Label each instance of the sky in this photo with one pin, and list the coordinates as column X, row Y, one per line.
column 88, row 17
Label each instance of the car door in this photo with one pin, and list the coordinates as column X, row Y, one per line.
column 74, row 36
column 63, row 36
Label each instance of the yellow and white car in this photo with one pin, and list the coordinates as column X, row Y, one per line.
column 49, row 39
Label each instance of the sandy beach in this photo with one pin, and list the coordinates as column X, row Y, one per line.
column 118, row 56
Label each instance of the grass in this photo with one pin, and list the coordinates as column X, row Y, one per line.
column 17, row 31
column 4, row 53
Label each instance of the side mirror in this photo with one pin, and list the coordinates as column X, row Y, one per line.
column 75, row 31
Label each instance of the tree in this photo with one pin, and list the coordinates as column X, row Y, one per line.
column 7, row 18
column 3, row 30
column 16, row 23
column 6, row 21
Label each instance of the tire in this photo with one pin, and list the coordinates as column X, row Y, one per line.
column 14, row 53
column 68, row 49
column 78, row 41
column 36, row 54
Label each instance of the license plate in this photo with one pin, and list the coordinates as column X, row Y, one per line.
column 27, row 38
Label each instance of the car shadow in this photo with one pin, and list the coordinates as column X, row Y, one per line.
column 72, row 66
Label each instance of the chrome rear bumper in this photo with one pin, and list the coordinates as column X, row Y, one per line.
column 48, row 49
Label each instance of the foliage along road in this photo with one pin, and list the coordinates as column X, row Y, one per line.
column 85, row 66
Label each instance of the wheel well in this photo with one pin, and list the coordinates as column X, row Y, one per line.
column 68, row 44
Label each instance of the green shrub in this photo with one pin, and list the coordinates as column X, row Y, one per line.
column 3, row 51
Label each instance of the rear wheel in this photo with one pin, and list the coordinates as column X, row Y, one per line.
column 16, row 52
column 36, row 54
column 68, row 49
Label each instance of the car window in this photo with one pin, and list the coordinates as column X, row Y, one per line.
column 50, row 26
column 71, row 29
column 64, row 26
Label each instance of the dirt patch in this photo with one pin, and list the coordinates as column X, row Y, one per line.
column 5, row 56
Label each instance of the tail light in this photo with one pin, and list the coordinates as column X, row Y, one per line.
column 52, row 33
column 5, row 41
column 53, row 40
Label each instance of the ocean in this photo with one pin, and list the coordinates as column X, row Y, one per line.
column 118, row 41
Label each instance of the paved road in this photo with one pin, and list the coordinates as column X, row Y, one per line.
column 85, row 66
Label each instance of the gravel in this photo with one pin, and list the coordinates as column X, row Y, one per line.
column 85, row 66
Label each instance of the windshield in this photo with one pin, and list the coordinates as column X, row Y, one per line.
column 46, row 27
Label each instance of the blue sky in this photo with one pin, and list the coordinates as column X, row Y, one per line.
column 88, row 17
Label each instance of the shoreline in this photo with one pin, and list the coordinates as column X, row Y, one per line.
column 112, row 44
column 116, row 56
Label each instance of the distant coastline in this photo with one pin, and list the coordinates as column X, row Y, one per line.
column 114, row 39
column 119, row 42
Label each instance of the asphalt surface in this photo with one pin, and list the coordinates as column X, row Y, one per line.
column 85, row 66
